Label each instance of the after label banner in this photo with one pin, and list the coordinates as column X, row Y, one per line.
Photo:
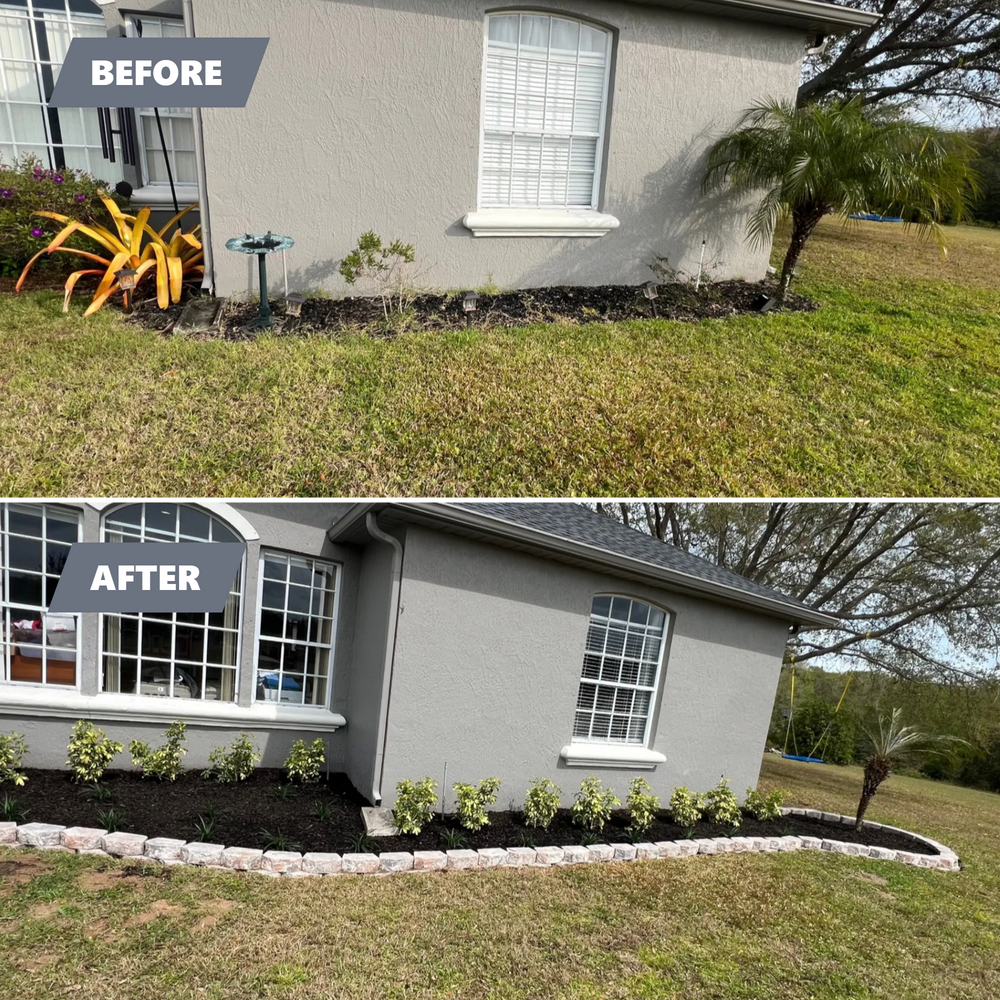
column 126, row 578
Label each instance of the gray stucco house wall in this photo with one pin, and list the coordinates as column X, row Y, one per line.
column 458, row 639
column 367, row 114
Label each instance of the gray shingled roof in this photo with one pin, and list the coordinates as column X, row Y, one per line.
column 580, row 524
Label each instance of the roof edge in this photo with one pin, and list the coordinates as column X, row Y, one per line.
column 812, row 14
column 780, row 607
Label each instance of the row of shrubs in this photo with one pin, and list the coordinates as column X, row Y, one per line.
column 91, row 753
column 592, row 806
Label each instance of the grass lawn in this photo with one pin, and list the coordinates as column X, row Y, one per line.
column 805, row 925
column 890, row 389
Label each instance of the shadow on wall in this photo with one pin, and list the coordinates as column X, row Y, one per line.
column 669, row 217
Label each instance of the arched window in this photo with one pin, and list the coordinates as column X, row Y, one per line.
column 172, row 655
column 621, row 667
column 545, row 90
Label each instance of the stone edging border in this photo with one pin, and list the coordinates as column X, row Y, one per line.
column 84, row 840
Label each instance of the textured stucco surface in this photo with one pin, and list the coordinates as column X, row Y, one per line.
column 366, row 115
column 488, row 663
column 278, row 529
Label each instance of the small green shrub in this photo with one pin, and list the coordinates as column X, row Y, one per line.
column 686, row 807
column 111, row 819
column 415, row 801
column 11, row 810
column 473, row 800
column 387, row 265
column 90, row 752
column 234, row 764
column 163, row 763
column 303, row 763
column 98, row 793
column 764, row 807
column 454, row 839
column 204, row 828
column 642, row 805
column 12, row 749
column 721, row 806
column 593, row 805
column 541, row 803
column 278, row 841
column 363, row 843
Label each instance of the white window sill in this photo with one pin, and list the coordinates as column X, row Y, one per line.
column 539, row 222
column 156, row 195
column 128, row 708
column 611, row 755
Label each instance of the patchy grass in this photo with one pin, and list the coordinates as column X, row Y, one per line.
column 732, row 927
column 890, row 389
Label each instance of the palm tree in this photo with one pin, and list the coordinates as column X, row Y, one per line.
column 890, row 745
column 844, row 158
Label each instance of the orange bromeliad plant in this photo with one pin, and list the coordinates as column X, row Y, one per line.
column 172, row 263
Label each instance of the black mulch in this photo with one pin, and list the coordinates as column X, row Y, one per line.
column 244, row 812
column 571, row 304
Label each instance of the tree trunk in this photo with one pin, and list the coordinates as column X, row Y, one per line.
column 804, row 221
column 877, row 769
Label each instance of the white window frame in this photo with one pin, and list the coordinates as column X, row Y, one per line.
column 258, row 637
column 542, row 220
column 590, row 751
column 6, row 603
column 172, row 662
column 158, row 192
column 95, row 162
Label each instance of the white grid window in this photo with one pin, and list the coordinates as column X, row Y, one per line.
column 297, row 612
column 172, row 655
column 35, row 647
column 34, row 38
column 178, row 126
column 545, row 90
column 621, row 667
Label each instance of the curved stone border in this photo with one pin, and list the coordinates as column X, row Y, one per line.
column 85, row 840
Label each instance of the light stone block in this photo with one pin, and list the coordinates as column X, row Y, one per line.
column 39, row 834
column 574, row 854
column 601, row 852
column 198, row 853
column 81, row 838
column 669, row 848
column 124, row 845
column 687, row 848
column 706, row 845
column 427, row 861
column 163, row 848
column 462, row 860
column 492, row 857
column 520, row 856
column 791, row 843
column 646, row 852
column 8, row 833
column 882, row 854
column 379, row 822
column 395, row 861
column 361, row 864
column 319, row 863
column 242, row 859
column 624, row 852
column 811, row 843
column 548, row 855
column 280, row 862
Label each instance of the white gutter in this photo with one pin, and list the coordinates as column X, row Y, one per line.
column 812, row 13
column 208, row 281
column 392, row 627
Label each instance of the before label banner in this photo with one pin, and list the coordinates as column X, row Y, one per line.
column 118, row 578
column 158, row 72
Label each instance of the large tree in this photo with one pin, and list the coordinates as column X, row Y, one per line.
column 938, row 51
column 917, row 585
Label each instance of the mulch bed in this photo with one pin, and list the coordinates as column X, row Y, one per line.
column 435, row 312
column 244, row 812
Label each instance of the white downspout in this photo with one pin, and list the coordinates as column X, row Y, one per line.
column 381, row 735
column 208, row 282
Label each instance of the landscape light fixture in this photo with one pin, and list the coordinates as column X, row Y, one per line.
column 126, row 282
column 293, row 303
column 470, row 303
column 651, row 290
